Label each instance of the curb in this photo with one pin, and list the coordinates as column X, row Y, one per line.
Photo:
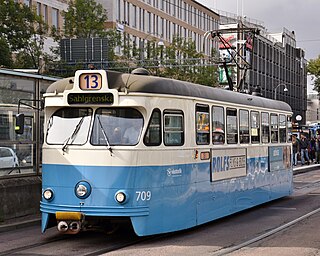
column 306, row 168
column 18, row 225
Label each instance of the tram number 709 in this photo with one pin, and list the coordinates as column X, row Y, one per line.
column 143, row 195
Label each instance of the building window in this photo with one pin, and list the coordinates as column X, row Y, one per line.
column 45, row 13
column 174, row 8
column 141, row 19
column 134, row 20
column 38, row 9
column 55, row 17
column 27, row 3
column 119, row 11
column 128, row 11
column 148, row 22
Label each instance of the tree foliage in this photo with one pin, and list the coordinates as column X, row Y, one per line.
column 5, row 54
column 84, row 19
column 16, row 23
column 180, row 60
column 23, row 31
column 313, row 68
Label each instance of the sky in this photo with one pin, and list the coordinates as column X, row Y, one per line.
column 300, row 16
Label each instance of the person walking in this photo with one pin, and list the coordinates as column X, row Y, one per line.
column 295, row 149
column 312, row 149
column 317, row 147
column 304, row 145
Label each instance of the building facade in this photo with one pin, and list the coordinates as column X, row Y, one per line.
column 313, row 108
column 278, row 67
column 145, row 20
column 51, row 12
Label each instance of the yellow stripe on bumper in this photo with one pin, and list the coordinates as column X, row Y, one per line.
column 69, row 216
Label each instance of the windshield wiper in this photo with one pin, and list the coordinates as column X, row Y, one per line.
column 73, row 135
column 105, row 136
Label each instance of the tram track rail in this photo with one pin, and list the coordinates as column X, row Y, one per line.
column 308, row 185
column 30, row 246
column 115, row 245
column 274, row 231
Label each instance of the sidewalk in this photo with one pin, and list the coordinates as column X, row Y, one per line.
column 304, row 168
column 20, row 222
column 35, row 219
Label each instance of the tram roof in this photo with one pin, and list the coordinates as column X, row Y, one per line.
column 160, row 85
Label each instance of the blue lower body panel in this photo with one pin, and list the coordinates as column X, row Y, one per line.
column 162, row 198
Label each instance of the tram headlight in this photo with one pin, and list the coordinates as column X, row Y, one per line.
column 120, row 197
column 82, row 189
column 47, row 194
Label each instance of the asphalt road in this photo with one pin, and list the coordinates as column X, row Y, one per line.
column 214, row 238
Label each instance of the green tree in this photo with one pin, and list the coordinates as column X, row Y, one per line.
column 23, row 31
column 84, row 19
column 183, row 62
column 5, row 54
column 313, row 68
column 33, row 54
column 16, row 22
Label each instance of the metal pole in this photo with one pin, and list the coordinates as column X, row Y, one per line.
column 275, row 92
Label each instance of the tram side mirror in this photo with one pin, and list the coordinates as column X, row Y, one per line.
column 19, row 128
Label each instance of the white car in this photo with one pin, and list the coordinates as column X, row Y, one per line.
column 8, row 158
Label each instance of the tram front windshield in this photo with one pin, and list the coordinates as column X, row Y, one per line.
column 116, row 126
column 69, row 126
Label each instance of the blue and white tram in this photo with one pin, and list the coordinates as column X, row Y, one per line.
column 165, row 155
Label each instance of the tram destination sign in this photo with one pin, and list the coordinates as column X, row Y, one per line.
column 90, row 98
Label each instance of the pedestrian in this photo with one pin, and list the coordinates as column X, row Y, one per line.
column 304, row 145
column 312, row 149
column 295, row 149
column 317, row 147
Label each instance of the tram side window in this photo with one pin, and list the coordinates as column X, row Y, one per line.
column 232, row 128
column 289, row 128
column 274, row 128
column 255, row 127
column 202, row 124
column 218, row 129
column 244, row 126
column 173, row 128
column 153, row 133
column 265, row 130
column 282, row 128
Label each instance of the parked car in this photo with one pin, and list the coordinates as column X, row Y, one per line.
column 8, row 158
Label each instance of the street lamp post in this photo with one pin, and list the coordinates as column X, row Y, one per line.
column 275, row 90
